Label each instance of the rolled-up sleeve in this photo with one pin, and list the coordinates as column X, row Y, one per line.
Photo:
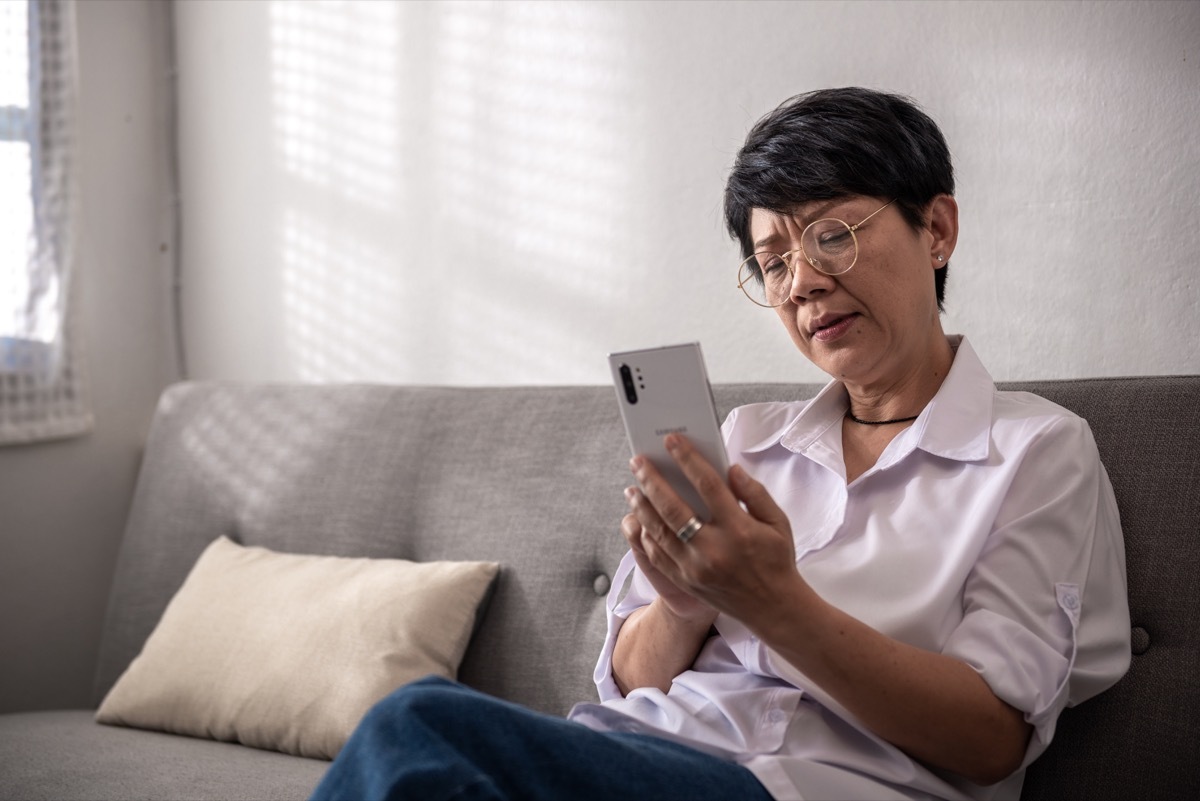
column 620, row 606
column 1046, row 615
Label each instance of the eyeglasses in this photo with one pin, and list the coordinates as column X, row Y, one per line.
column 829, row 245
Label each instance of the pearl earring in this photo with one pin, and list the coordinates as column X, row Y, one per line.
column 941, row 257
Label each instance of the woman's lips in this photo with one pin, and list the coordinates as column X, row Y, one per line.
column 835, row 329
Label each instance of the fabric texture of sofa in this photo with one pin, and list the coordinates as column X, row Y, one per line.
column 532, row 478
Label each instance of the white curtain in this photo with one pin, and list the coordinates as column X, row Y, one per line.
column 42, row 393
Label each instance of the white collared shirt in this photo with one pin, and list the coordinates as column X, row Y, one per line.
column 986, row 531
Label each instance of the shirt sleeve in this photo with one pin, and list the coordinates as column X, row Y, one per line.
column 1046, row 614
column 641, row 593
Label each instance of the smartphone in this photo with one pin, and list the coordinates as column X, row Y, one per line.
column 665, row 390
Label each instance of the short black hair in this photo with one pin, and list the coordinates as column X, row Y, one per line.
column 833, row 143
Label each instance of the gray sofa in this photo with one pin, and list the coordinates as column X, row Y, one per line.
column 532, row 478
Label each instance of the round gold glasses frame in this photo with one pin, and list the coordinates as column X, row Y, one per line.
column 832, row 248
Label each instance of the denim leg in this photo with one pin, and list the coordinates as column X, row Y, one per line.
column 435, row 739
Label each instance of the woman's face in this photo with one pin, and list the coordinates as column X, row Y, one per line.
column 879, row 321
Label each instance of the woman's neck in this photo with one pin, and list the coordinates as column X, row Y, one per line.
column 906, row 391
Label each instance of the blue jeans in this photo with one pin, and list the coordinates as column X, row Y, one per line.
column 435, row 739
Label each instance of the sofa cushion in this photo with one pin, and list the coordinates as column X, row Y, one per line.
column 288, row 652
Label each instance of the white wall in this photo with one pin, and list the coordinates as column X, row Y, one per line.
column 500, row 193
column 63, row 504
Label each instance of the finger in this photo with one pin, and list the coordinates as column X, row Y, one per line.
column 709, row 483
column 631, row 529
column 657, row 537
column 639, row 554
column 658, row 507
column 758, row 501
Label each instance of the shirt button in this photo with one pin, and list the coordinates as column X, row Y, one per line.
column 776, row 716
column 1071, row 602
column 601, row 584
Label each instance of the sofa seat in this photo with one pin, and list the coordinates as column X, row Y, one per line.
column 62, row 756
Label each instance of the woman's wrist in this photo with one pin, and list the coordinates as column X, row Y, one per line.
column 698, row 618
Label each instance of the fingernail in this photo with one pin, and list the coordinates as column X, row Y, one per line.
column 635, row 464
column 672, row 442
column 630, row 494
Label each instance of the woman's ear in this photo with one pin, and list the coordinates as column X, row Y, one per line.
column 943, row 227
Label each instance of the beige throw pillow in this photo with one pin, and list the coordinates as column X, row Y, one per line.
column 288, row 652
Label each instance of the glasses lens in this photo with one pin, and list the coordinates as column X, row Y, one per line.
column 765, row 279
column 830, row 246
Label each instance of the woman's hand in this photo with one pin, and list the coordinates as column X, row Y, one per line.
column 739, row 562
column 730, row 565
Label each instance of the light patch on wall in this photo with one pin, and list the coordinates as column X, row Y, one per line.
column 530, row 111
column 335, row 105
column 473, row 183
column 334, row 93
column 335, row 284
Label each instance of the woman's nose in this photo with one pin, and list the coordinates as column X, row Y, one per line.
column 808, row 281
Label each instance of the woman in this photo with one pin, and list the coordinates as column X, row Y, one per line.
column 903, row 581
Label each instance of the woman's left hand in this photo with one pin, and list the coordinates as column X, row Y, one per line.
column 740, row 560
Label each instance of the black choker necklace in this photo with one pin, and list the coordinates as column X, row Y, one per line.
column 862, row 422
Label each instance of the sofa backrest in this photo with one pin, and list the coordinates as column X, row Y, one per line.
column 1139, row 739
column 533, row 477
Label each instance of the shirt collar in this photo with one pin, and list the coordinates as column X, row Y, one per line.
column 956, row 424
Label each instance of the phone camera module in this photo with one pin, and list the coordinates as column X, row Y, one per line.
column 627, row 382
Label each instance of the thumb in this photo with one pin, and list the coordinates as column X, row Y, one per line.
column 758, row 501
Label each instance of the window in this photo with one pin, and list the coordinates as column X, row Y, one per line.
column 16, row 197
column 41, row 390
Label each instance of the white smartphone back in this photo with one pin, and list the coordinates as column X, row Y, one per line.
column 665, row 390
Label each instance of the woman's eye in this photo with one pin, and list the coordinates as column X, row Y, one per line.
column 771, row 264
column 837, row 238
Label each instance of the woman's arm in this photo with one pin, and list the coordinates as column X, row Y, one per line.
column 659, row 641
column 654, row 646
column 933, row 707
